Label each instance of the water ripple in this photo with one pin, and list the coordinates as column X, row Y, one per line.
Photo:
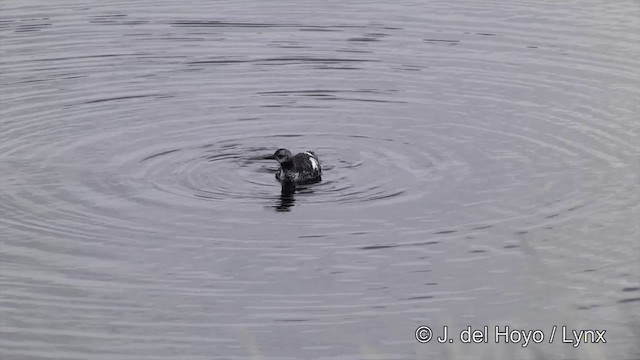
column 467, row 150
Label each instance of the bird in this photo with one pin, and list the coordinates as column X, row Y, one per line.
column 301, row 168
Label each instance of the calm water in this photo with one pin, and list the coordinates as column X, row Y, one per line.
column 481, row 160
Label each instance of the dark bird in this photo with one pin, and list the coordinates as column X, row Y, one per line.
column 302, row 168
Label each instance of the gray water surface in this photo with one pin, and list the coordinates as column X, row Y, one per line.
column 481, row 167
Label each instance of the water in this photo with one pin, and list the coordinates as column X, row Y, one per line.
column 481, row 167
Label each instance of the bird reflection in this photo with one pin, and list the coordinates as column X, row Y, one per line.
column 285, row 202
column 286, row 199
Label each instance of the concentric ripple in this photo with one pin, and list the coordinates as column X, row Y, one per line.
column 480, row 164
column 233, row 171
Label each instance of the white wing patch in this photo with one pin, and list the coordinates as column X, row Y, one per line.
column 314, row 163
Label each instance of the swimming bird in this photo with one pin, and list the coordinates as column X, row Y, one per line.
column 302, row 168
